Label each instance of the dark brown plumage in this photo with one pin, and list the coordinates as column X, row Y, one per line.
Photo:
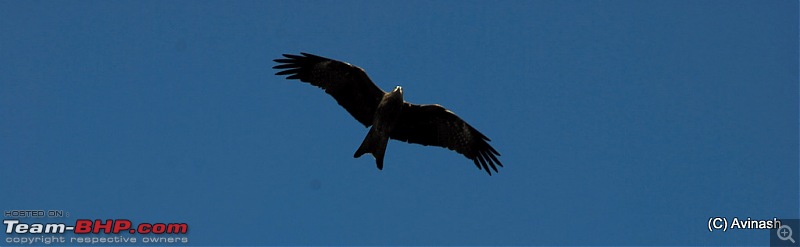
column 429, row 125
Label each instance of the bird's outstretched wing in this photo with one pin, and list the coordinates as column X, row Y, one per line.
column 348, row 84
column 436, row 126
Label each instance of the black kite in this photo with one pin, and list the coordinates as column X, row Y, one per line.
column 387, row 113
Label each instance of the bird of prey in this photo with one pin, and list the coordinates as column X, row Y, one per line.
column 388, row 114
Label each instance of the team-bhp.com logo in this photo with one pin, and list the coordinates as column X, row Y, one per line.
column 85, row 226
column 46, row 227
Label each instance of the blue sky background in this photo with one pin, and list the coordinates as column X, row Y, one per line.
column 619, row 122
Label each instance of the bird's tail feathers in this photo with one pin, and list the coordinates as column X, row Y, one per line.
column 375, row 144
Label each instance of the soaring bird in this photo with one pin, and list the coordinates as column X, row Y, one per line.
column 389, row 115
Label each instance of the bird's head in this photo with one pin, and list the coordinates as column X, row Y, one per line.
column 396, row 94
column 398, row 89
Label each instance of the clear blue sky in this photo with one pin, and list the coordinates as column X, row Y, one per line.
column 619, row 122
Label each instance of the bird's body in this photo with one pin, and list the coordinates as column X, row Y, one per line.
column 389, row 115
column 385, row 119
